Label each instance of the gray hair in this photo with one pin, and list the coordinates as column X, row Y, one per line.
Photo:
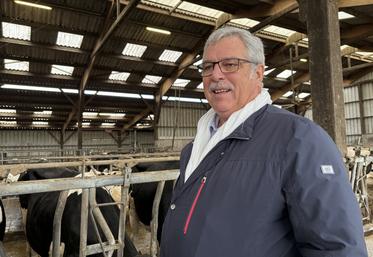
column 253, row 44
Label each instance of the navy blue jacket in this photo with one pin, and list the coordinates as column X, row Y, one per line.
column 275, row 187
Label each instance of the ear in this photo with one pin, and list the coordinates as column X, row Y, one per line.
column 259, row 72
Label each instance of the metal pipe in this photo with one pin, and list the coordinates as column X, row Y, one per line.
column 154, row 221
column 123, row 208
column 100, row 220
column 62, row 184
column 57, row 223
column 84, row 224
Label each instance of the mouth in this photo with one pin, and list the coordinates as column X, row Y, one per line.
column 220, row 91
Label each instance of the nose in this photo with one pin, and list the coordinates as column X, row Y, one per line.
column 216, row 72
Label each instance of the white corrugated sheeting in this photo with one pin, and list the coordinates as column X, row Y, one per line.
column 368, row 108
column 353, row 127
column 367, row 91
column 352, row 110
column 369, row 125
column 37, row 139
column 351, row 94
column 182, row 116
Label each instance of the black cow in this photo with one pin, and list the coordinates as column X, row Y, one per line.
column 143, row 194
column 2, row 221
column 40, row 214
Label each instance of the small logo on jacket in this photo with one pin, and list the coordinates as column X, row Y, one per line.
column 327, row 170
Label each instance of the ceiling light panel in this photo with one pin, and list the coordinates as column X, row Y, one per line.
column 31, row 88
column 12, row 30
column 134, row 50
column 116, row 75
column 62, row 70
column 149, row 79
column 170, row 55
column 10, row 64
column 69, row 39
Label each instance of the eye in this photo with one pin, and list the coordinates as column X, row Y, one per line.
column 229, row 64
column 207, row 66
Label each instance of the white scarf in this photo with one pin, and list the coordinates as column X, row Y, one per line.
column 203, row 141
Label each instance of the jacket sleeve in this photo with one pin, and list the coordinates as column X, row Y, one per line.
column 323, row 210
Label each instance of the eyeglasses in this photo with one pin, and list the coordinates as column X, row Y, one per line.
column 226, row 66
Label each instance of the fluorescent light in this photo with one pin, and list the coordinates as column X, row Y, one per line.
column 69, row 90
column 69, row 39
column 32, row 88
column 10, row 64
column 33, row 5
column 198, row 62
column 303, row 60
column 285, row 74
column 181, row 82
column 116, row 75
column 112, row 114
column 303, row 95
column 89, row 114
column 12, row 30
column 8, row 111
column 62, row 70
column 287, row 94
column 107, row 124
column 134, row 50
column 170, row 55
column 85, row 124
column 181, row 99
column 278, row 106
column 344, row 16
column 147, row 96
column 90, row 92
column 149, row 79
column 116, row 94
column 162, row 31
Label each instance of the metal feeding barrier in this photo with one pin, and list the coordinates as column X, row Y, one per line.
column 359, row 164
column 89, row 205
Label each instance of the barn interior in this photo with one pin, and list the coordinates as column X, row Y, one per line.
column 108, row 78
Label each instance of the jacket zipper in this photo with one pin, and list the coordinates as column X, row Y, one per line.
column 190, row 214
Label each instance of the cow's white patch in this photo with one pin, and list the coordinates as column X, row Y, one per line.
column 327, row 170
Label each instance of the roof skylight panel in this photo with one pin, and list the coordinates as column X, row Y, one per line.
column 31, row 88
column 10, row 64
column 198, row 9
column 17, row 31
column 62, row 70
column 181, row 82
column 170, row 55
column 8, row 110
column 39, row 123
column 69, row 39
column 117, row 75
column 200, row 86
column 279, row 30
column 344, row 16
column 134, row 50
column 245, row 22
column 303, row 95
column 149, row 79
column 285, row 74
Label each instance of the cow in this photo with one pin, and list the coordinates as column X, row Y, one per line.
column 2, row 221
column 40, row 213
column 143, row 194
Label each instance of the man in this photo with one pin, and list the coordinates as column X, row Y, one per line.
column 258, row 181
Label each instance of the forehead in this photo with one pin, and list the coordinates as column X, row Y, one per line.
column 225, row 48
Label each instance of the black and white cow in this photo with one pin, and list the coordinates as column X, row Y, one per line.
column 143, row 194
column 40, row 213
column 2, row 221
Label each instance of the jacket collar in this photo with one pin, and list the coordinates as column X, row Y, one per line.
column 246, row 129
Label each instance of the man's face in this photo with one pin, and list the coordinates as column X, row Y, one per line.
column 229, row 92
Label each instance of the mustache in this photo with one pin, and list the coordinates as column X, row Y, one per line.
column 220, row 85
